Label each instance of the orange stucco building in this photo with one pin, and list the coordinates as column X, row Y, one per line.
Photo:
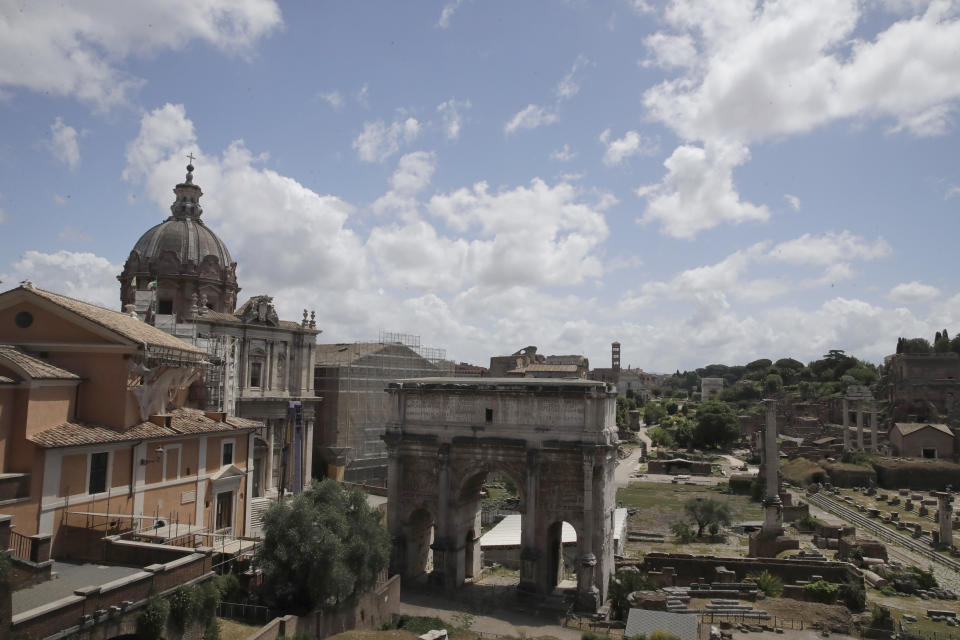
column 96, row 428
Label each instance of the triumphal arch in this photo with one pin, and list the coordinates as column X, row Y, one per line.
column 554, row 438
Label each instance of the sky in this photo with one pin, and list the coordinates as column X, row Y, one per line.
column 702, row 181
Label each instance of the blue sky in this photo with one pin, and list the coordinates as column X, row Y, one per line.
column 702, row 181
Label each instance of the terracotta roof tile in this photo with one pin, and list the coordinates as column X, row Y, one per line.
column 120, row 323
column 906, row 428
column 36, row 368
column 183, row 422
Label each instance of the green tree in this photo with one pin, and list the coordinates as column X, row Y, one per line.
column 660, row 437
column 653, row 413
column 717, row 425
column 321, row 549
column 707, row 511
column 772, row 383
column 917, row 346
column 622, row 584
column 768, row 583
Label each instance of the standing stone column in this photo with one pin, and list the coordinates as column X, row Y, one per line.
column 587, row 592
column 945, row 511
column 772, row 507
column 859, row 428
column 874, row 427
column 530, row 553
column 444, row 548
column 846, row 425
column 398, row 557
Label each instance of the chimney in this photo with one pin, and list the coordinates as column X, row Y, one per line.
column 161, row 419
column 216, row 416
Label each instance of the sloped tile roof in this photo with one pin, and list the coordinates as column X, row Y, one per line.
column 120, row 323
column 183, row 422
column 36, row 368
column 348, row 353
column 906, row 428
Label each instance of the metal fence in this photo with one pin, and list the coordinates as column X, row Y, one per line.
column 22, row 545
column 246, row 612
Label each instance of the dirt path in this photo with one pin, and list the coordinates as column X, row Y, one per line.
column 505, row 619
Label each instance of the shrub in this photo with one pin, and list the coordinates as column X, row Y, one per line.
column 212, row 631
column 807, row 522
column 590, row 635
column 741, row 483
column 852, row 594
column 622, row 584
column 881, row 619
column 821, row 591
column 184, row 605
column 660, row 634
column 768, row 583
column 683, row 532
column 153, row 621
column 638, row 636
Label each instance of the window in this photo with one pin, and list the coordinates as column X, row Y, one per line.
column 226, row 456
column 256, row 372
column 23, row 319
column 98, row 472
column 929, row 453
column 489, row 415
column 164, row 307
column 171, row 462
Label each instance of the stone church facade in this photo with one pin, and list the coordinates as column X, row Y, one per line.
column 181, row 278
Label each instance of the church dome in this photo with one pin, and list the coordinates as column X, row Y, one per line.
column 188, row 238
column 181, row 260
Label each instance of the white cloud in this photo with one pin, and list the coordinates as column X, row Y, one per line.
column 640, row 6
column 952, row 190
column 77, row 49
column 789, row 67
column 363, row 96
column 670, row 51
column 452, row 119
column 378, row 140
column 629, row 145
column 286, row 233
column 85, row 276
column 568, row 85
column 63, row 143
column 911, row 292
column 563, row 154
column 413, row 174
column 793, row 201
column 828, row 248
column 333, row 98
column 530, row 117
column 446, row 14
column 553, row 241
column 71, row 235
column 698, row 192
column 59, row 199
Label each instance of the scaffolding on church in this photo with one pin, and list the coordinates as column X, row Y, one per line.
column 357, row 374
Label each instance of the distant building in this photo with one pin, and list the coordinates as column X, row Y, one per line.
column 98, row 429
column 527, row 363
column 922, row 440
column 629, row 381
column 352, row 379
column 710, row 388
column 923, row 387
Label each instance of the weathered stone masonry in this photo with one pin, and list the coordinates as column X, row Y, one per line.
column 556, row 439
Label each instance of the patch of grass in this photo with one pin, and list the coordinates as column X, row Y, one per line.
column 661, row 503
column 233, row 630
